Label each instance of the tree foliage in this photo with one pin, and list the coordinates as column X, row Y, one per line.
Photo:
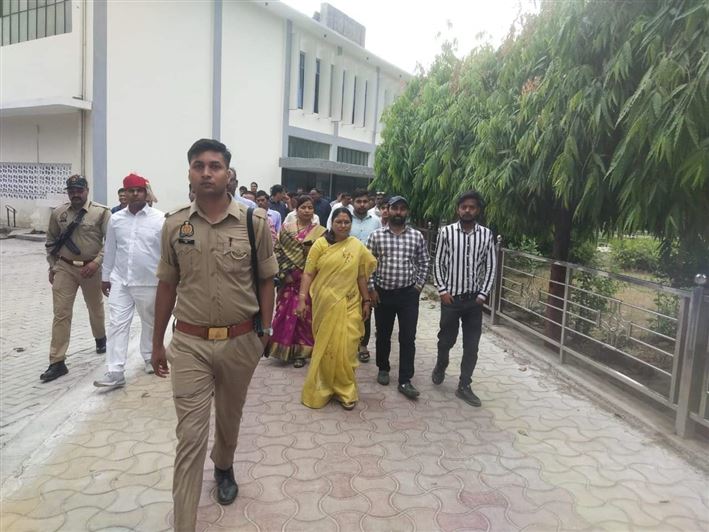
column 594, row 117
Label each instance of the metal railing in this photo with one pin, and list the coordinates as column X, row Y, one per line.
column 649, row 337
column 9, row 209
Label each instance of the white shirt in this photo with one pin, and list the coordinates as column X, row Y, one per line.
column 245, row 201
column 337, row 205
column 132, row 248
column 292, row 214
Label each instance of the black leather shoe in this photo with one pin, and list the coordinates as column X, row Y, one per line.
column 408, row 390
column 227, row 489
column 101, row 345
column 383, row 377
column 54, row 371
column 466, row 394
column 438, row 375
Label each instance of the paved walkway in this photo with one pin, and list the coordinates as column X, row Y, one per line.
column 536, row 456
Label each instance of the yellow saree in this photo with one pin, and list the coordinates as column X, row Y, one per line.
column 337, row 319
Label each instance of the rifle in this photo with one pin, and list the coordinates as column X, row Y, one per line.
column 65, row 238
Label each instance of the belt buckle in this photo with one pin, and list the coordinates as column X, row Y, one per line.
column 218, row 333
column 78, row 263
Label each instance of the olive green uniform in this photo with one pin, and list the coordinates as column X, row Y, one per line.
column 210, row 263
column 88, row 237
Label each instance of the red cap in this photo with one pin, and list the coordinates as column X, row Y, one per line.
column 134, row 181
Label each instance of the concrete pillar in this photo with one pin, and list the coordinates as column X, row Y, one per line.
column 348, row 99
column 371, row 110
column 294, row 70
column 309, row 91
column 325, row 83
column 337, row 90
column 359, row 103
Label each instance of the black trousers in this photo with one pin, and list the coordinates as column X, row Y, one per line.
column 470, row 314
column 367, row 332
column 402, row 303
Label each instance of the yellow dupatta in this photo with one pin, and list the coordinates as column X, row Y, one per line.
column 337, row 319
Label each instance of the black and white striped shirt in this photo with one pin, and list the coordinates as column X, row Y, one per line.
column 465, row 262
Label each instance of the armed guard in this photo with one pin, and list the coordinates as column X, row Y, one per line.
column 75, row 252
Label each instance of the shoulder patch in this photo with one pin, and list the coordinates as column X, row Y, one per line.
column 179, row 209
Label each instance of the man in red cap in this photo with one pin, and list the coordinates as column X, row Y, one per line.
column 131, row 258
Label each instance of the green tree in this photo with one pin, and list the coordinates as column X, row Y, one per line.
column 593, row 118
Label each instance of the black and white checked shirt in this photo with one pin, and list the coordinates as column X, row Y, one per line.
column 402, row 259
column 465, row 262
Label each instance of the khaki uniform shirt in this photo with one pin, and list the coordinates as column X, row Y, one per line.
column 211, row 264
column 88, row 236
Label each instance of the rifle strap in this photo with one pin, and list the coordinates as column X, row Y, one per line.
column 258, row 323
column 66, row 235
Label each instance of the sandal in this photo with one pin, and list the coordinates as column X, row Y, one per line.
column 299, row 363
column 363, row 356
column 349, row 406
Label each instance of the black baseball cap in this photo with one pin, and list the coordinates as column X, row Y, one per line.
column 398, row 199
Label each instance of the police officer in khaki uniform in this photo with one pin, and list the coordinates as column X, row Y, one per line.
column 206, row 265
column 75, row 254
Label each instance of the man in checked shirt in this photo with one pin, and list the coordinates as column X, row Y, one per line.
column 394, row 290
column 463, row 270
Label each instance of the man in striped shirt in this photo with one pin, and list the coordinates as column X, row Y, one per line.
column 394, row 290
column 464, row 269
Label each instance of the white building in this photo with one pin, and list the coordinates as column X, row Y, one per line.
column 106, row 88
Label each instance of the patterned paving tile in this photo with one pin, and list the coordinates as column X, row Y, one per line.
column 532, row 458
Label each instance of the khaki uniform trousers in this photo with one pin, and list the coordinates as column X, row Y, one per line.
column 199, row 369
column 67, row 281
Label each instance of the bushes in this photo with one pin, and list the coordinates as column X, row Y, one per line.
column 635, row 253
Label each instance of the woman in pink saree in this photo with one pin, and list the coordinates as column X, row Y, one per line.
column 292, row 338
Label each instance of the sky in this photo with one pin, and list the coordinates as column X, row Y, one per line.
column 408, row 32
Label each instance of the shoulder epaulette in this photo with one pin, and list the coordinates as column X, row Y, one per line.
column 100, row 206
column 260, row 213
column 179, row 209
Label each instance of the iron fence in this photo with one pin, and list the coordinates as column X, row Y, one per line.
column 647, row 336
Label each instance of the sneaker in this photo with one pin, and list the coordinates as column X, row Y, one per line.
column 438, row 375
column 466, row 394
column 383, row 377
column 111, row 379
column 408, row 390
column 149, row 367
column 363, row 354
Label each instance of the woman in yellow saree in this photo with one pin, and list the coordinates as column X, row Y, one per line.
column 336, row 274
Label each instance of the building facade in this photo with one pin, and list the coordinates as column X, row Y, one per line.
column 108, row 88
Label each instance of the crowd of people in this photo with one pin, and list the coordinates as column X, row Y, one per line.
column 246, row 273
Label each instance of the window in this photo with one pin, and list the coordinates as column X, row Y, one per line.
column 317, row 85
column 308, row 149
column 346, row 155
column 26, row 20
column 354, row 100
column 332, row 87
column 364, row 119
column 301, row 80
column 342, row 100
